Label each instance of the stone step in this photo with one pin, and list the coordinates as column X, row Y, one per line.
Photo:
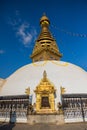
column 46, row 118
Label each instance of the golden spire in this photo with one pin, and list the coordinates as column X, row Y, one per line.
column 45, row 47
column 45, row 33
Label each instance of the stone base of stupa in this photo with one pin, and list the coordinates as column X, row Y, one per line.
column 45, row 118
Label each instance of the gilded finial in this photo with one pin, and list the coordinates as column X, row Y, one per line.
column 27, row 91
column 44, row 20
column 62, row 89
column 44, row 74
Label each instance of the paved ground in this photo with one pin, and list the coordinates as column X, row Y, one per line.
column 77, row 126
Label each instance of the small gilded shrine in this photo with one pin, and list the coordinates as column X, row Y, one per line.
column 45, row 96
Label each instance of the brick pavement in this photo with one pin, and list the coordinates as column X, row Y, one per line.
column 77, row 126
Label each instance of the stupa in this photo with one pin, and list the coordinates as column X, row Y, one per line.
column 47, row 76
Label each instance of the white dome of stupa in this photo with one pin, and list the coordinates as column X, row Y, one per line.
column 61, row 74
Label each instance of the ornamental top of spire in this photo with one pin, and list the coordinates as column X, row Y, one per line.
column 44, row 75
column 44, row 20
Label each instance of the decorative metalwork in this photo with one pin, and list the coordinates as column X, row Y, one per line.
column 45, row 96
column 75, row 106
column 13, row 107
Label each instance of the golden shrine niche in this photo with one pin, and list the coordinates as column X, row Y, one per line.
column 45, row 96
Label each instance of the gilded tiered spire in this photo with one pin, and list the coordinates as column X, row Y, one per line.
column 45, row 47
